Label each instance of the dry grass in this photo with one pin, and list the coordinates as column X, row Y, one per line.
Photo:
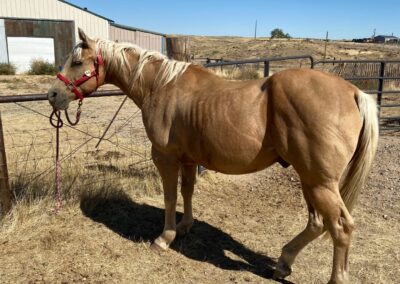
column 241, row 224
column 233, row 48
column 239, row 73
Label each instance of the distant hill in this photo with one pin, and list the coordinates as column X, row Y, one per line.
column 240, row 48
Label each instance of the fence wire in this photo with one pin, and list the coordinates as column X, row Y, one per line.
column 30, row 145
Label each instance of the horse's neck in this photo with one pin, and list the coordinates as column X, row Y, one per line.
column 122, row 80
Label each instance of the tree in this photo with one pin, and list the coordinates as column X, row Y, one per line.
column 278, row 33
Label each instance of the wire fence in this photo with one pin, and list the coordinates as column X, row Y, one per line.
column 123, row 154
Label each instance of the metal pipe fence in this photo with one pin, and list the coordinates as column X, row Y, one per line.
column 387, row 95
column 265, row 61
column 368, row 74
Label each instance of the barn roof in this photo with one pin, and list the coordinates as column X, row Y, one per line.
column 388, row 36
column 86, row 10
column 135, row 29
column 112, row 21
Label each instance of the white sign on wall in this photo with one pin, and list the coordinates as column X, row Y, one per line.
column 22, row 50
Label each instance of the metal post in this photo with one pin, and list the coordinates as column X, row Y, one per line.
column 5, row 190
column 380, row 85
column 266, row 68
column 111, row 122
column 255, row 31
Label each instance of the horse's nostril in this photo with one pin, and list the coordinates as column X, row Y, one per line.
column 54, row 94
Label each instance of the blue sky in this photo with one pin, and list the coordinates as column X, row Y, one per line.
column 301, row 18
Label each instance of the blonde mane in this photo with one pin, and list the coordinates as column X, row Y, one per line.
column 114, row 55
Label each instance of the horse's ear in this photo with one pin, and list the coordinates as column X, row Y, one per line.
column 83, row 37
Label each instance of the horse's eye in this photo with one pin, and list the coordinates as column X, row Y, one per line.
column 76, row 63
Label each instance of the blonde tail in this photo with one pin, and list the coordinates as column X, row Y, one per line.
column 361, row 163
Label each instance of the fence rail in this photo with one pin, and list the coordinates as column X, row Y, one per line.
column 380, row 78
column 265, row 61
column 43, row 97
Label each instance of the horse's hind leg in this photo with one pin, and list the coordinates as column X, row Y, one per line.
column 168, row 166
column 314, row 229
column 339, row 223
column 188, row 180
column 327, row 202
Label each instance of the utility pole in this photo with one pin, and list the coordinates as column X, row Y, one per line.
column 326, row 42
column 255, row 30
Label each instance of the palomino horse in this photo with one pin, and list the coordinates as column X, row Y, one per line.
column 320, row 124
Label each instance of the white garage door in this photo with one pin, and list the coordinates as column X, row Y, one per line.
column 3, row 46
column 22, row 50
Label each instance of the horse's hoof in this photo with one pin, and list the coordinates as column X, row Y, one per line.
column 282, row 270
column 183, row 229
column 157, row 248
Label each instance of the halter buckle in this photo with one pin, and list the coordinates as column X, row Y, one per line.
column 71, row 86
column 88, row 73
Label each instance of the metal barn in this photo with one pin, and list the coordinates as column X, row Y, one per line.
column 386, row 39
column 50, row 29
column 146, row 39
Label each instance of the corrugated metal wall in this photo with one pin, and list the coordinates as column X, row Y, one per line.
column 3, row 43
column 122, row 35
column 145, row 40
column 52, row 9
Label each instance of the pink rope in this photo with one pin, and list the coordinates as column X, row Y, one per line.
column 58, row 124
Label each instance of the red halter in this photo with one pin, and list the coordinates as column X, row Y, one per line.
column 73, row 86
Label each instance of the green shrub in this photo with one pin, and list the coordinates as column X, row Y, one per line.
column 278, row 33
column 41, row 67
column 7, row 69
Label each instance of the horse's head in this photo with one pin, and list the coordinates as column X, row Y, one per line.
column 82, row 74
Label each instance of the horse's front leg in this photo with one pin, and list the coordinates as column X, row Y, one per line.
column 168, row 166
column 188, row 180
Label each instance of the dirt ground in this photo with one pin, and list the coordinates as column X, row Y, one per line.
column 241, row 224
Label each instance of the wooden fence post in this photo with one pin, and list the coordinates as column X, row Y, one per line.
column 178, row 48
column 5, row 190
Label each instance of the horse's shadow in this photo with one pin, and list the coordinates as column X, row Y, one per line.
column 142, row 222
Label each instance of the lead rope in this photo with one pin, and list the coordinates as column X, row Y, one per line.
column 56, row 116
column 77, row 117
